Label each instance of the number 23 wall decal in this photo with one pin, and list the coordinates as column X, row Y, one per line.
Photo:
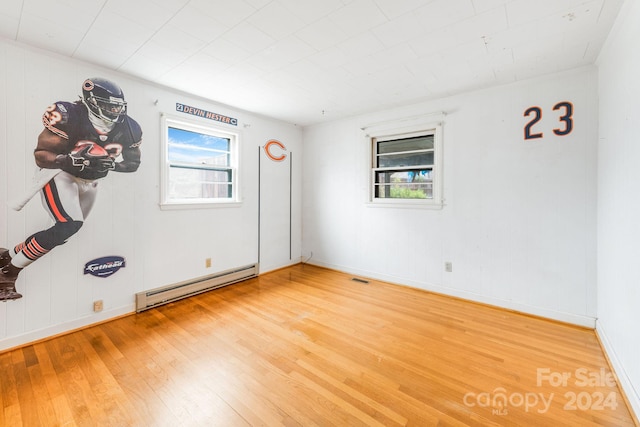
column 566, row 119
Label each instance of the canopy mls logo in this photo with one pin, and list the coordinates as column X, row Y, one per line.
column 105, row 266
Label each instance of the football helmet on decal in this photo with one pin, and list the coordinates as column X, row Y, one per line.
column 104, row 99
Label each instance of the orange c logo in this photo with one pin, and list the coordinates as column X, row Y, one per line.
column 269, row 145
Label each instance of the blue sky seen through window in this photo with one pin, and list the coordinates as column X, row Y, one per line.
column 199, row 148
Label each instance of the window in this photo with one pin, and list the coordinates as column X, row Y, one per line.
column 199, row 165
column 406, row 167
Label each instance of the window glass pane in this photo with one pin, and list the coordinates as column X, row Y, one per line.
column 187, row 183
column 201, row 164
column 405, row 166
column 401, row 160
column 415, row 184
column 404, row 191
column 198, row 148
column 407, row 144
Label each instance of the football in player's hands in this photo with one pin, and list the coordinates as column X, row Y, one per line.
column 88, row 148
column 87, row 155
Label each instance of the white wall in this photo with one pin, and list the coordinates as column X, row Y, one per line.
column 280, row 206
column 519, row 218
column 160, row 246
column 619, row 200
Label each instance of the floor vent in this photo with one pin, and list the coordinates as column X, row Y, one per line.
column 166, row 294
column 355, row 279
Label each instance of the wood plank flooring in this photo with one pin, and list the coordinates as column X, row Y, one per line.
column 307, row 346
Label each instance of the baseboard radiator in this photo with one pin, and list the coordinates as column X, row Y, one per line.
column 166, row 294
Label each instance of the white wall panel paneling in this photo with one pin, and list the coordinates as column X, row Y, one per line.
column 280, row 196
column 518, row 221
column 15, row 175
column 9, row 23
column 4, row 163
column 160, row 247
column 618, row 270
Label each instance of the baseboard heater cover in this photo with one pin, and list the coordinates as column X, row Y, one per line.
column 166, row 294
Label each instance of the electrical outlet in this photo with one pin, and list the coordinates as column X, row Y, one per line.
column 207, row 263
column 98, row 306
column 448, row 266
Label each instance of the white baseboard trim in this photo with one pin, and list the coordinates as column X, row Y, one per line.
column 571, row 318
column 631, row 393
column 267, row 268
column 63, row 328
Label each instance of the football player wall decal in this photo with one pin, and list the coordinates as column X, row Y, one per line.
column 81, row 143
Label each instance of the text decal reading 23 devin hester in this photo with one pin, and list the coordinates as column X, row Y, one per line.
column 206, row 114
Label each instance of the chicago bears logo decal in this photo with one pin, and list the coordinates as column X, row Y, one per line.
column 88, row 85
column 105, row 266
column 269, row 146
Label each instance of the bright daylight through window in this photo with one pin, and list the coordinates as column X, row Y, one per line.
column 200, row 164
column 406, row 168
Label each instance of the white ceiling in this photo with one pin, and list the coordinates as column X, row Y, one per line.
column 307, row 61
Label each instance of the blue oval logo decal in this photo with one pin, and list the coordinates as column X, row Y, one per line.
column 105, row 266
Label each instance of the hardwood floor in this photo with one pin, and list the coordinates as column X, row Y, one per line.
column 306, row 346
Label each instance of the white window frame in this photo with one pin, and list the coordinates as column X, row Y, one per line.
column 391, row 131
column 193, row 203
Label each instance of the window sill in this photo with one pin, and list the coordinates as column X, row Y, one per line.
column 406, row 205
column 199, row 205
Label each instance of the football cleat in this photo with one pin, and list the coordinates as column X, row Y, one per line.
column 8, row 275
column 9, row 294
column 5, row 258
